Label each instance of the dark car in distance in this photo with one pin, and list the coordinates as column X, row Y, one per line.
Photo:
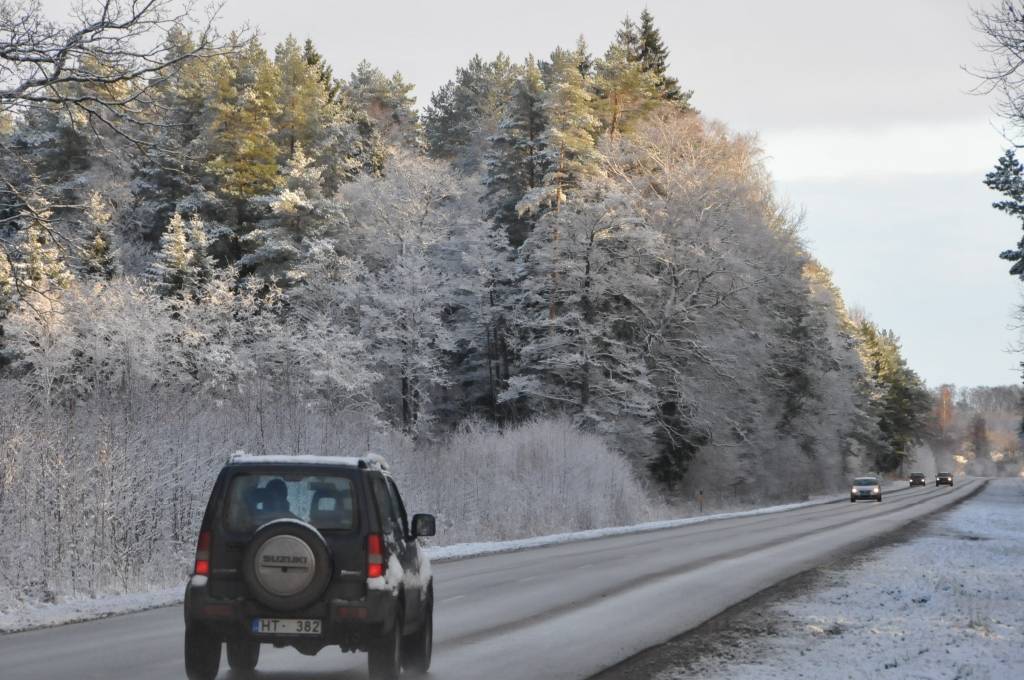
column 309, row 552
column 917, row 479
column 944, row 478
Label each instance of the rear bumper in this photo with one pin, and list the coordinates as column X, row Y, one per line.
column 350, row 624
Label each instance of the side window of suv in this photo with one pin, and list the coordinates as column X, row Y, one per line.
column 398, row 507
column 386, row 508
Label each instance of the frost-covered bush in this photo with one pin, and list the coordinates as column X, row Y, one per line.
column 543, row 476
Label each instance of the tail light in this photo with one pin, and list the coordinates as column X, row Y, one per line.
column 374, row 556
column 203, row 554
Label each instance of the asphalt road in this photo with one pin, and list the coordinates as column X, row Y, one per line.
column 565, row 611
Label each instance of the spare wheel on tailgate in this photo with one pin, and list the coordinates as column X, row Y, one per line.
column 287, row 564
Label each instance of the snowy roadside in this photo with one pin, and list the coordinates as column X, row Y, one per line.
column 19, row 618
column 75, row 610
column 946, row 604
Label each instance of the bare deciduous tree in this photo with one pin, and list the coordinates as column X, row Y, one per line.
column 1003, row 29
column 103, row 61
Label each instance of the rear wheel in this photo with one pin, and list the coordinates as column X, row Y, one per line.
column 385, row 657
column 202, row 654
column 243, row 655
column 417, row 648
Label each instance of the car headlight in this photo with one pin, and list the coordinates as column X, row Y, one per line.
column 853, row 490
column 877, row 490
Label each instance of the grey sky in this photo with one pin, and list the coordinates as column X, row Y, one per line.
column 861, row 106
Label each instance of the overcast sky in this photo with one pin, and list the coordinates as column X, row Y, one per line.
column 861, row 106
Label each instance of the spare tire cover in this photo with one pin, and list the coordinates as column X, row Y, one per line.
column 287, row 564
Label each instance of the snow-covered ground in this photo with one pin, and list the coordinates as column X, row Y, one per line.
column 947, row 604
column 72, row 610
column 20, row 616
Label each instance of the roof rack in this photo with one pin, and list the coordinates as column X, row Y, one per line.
column 371, row 461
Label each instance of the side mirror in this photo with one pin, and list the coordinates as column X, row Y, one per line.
column 423, row 525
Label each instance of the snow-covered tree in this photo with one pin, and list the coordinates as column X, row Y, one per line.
column 399, row 224
column 403, row 320
column 514, row 163
column 465, row 112
column 183, row 265
column 298, row 214
column 388, row 102
column 99, row 255
column 40, row 264
column 572, row 334
column 568, row 147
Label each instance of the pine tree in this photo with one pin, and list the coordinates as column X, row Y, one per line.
column 299, row 215
column 466, row 111
column 654, row 56
column 584, row 60
column 346, row 141
column 628, row 38
column 514, row 163
column 244, row 156
column 387, row 102
column 100, row 258
column 568, row 147
column 172, row 176
column 182, row 266
column 625, row 90
column 202, row 266
column 903, row 403
column 40, row 265
column 1008, row 179
column 323, row 70
column 303, row 103
column 172, row 268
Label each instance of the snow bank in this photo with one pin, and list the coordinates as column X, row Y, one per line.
column 74, row 610
column 947, row 604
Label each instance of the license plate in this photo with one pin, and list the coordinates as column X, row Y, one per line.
column 286, row 626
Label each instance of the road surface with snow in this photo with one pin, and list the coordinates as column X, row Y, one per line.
column 561, row 611
column 944, row 604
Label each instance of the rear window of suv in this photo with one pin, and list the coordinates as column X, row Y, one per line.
column 325, row 501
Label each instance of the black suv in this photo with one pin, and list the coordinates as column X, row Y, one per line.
column 307, row 552
column 944, row 478
column 917, row 479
